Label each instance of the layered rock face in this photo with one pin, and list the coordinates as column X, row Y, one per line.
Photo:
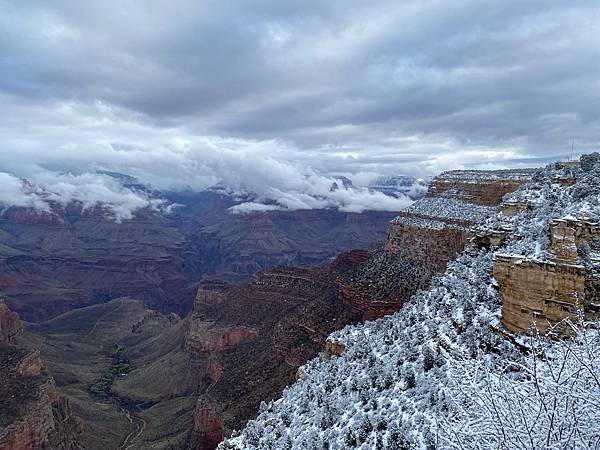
column 33, row 415
column 537, row 293
column 541, row 294
column 53, row 262
column 50, row 268
column 254, row 338
column 425, row 237
column 479, row 187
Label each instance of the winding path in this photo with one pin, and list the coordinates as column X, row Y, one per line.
column 140, row 426
column 100, row 319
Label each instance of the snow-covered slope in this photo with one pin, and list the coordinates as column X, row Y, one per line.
column 442, row 372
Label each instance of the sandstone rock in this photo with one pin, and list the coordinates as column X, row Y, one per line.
column 333, row 348
column 538, row 293
column 31, row 365
column 214, row 369
column 562, row 243
column 34, row 415
column 478, row 186
column 211, row 293
column 542, row 294
column 437, row 246
column 204, row 338
column 255, row 339
column 208, row 429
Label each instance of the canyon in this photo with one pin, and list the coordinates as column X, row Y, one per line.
column 52, row 262
column 194, row 380
column 256, row 337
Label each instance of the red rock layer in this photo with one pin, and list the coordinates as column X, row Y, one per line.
column 33, row 414
column 257, row 337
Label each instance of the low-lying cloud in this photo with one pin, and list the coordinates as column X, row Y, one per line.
column 88, row 190
column 273, row 184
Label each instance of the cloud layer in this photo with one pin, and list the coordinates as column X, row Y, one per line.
column 277, row 97
column 88, row 190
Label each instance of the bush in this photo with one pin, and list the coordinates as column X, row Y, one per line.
column 588, row 162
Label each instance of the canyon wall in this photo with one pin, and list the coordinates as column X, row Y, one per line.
column 478, row 187
column 542, row 294
column 435, row 229
column 254, row 337
column 53, row 262
column 33, row 414
column 424, row 237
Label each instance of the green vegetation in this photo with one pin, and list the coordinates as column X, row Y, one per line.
column 120, row 366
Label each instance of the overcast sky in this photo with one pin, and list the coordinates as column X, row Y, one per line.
column 189, row 92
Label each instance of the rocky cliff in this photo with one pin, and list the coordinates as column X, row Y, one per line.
column 33, row 413
column 542, row 293
column 425, row 237
column 10, row 324
column 479, row 187
column 443, row 372
column 253, row 338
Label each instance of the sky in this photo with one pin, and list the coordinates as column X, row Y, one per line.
column 277, row 96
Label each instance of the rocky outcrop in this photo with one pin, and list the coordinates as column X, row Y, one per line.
column 567, row 234
column 204, row 338
column 333, row 348
column 211, row 293
column 256, row 336
column 10, row 324
column 45, row 423
column 542, row 294
column 435, row 229
column 208, row 429
column 426, row 236
column 479, row 187
column 33, row 414
column 423, row 242
column 31, row 365
column 536, row 293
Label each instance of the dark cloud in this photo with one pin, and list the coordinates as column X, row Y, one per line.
column 349, row 87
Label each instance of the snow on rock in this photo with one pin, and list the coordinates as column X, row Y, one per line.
column 442, row 372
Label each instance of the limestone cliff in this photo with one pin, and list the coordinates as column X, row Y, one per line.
column 479, row 187
column 543, row 293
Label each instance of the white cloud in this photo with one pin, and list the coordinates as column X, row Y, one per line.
column 248, row 207
column 89, row 190
column 15, row 192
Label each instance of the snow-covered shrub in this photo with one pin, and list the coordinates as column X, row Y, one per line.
column 589, row 161
column 549, row 399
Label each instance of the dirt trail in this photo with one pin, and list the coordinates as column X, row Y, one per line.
column 139, row 427
column 100, row 320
